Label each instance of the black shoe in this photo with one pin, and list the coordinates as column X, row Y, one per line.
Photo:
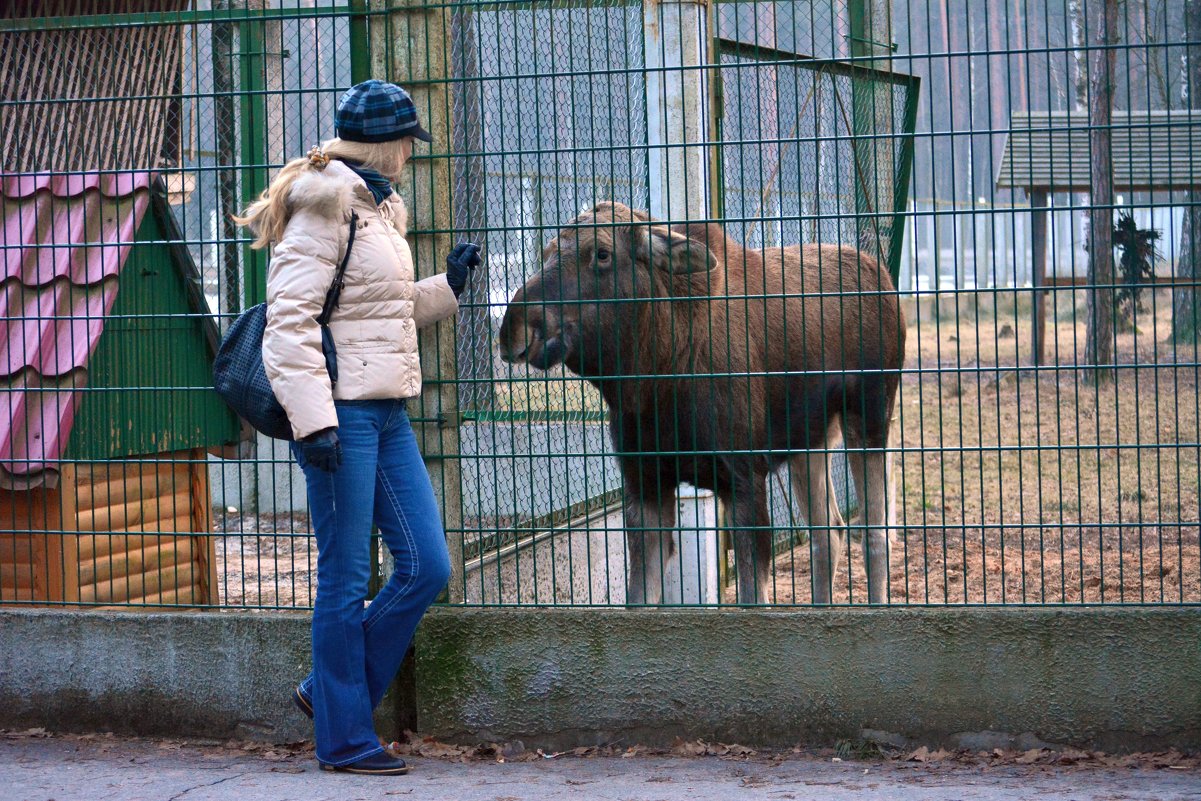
column 302, row 703
column 380, row 764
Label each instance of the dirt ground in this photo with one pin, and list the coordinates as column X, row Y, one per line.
column 1035, row 486
column 1016, row 485
column 265, row 560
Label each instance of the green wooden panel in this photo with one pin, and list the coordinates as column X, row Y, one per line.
column 150, row 379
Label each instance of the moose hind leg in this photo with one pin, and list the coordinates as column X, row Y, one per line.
column 749, row 519
column 650, row 540
column 870, row 469
column 814, row 491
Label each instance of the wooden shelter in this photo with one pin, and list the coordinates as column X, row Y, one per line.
column 106, row 410
column 107, row 414
column 1048, row 151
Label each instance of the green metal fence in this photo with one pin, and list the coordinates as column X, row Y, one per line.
column 1044, row 442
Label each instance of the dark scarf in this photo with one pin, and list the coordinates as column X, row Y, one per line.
column 380, row 186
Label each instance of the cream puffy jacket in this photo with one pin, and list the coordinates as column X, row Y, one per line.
column 375, row 325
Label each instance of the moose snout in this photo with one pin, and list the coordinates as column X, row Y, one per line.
column 521, row 331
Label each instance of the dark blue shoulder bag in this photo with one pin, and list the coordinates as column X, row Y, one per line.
column 238, row 373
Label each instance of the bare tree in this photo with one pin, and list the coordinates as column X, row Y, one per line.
column 1076, row 19
column 1159, row 71
column 1186, row 310
column 1102, row 19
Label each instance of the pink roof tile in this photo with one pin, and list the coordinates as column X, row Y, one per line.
column 51, row 329
column 36, row 416
column 65, row 239
column 63, row 228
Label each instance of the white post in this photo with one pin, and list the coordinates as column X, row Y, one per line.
column 691, row 576
column 676, row 38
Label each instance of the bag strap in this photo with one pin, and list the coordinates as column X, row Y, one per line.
column 335, row 289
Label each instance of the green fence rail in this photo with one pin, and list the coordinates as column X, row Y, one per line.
column 1039, row 399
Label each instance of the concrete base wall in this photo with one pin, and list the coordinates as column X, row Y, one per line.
column 1108, row 678
column 1116, row 679
column 172, row 674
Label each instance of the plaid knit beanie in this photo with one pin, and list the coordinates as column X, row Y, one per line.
column 377, row 111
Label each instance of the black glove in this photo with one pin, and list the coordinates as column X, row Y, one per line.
column 322, row 450
column 462, row 260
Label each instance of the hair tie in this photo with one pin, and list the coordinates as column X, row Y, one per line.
column 317, row 158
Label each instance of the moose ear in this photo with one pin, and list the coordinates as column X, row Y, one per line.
column 675, row 253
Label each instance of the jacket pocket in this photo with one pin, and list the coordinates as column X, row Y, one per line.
column 371, row 346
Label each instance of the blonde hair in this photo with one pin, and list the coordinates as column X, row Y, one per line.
column 268, row 216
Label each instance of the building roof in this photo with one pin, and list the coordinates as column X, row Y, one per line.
column 1049, row 150
column 65, row 239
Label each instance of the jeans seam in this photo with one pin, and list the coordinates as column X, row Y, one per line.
column 338, row 555
column 414, row 561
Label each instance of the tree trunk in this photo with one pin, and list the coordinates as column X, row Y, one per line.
column 1098, row 347
column 1186, row 310
column 225, row 112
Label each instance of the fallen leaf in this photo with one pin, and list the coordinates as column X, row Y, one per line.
column 1071, row 756
column 37, row 732
column 1030, row 756
column 689, row 748
column 920, row 755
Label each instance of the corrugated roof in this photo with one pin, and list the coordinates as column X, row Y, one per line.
column 65, row 239
column 1151, row 150
column 100, row 98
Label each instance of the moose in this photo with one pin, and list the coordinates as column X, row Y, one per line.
column 718, row 363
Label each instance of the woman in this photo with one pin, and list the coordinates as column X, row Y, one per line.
column 353, row 440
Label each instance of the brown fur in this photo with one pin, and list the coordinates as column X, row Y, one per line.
column 713, row 376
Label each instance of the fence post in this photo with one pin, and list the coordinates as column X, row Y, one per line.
column 412, row 44
column 677, row 107
column 676, row 42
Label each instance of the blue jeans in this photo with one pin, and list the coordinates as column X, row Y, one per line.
column 357, row 651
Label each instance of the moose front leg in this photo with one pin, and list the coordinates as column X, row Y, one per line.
column 650, row 538
column 750, row 524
